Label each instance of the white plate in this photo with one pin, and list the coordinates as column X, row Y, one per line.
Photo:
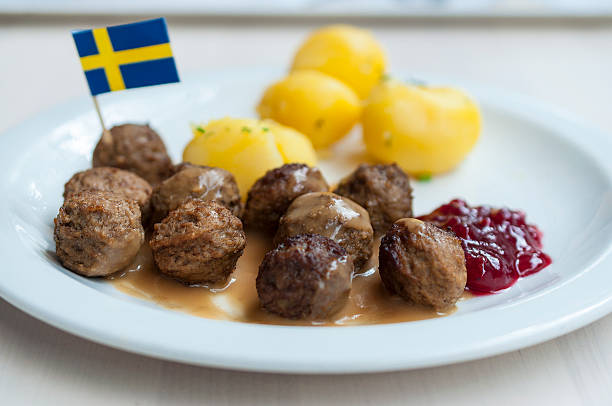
column 554, row 168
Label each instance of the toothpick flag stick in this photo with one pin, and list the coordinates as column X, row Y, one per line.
column 97, row 106
column 124, row 57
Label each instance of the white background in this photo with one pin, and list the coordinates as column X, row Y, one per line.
column 438, row 8
column 568, row 64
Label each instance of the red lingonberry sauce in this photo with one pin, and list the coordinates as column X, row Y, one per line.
column 499, row 245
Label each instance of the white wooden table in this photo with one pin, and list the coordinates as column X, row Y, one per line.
column 566, row 64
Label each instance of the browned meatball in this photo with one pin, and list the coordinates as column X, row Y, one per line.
column 272, row 194
column 196, row 182
column 423, row 264
column 332, row 216
column 199, row 242
column 306, row 277
column 383, row 190
column 106, row 179
column 97, row 233
column 184, row 165
column 135, row 148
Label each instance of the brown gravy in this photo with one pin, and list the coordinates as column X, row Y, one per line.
column 368, row 302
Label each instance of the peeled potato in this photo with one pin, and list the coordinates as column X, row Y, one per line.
column 426, row 130
column 247, row 148
column 347, row 53
column 293, row 145
column 317, row 105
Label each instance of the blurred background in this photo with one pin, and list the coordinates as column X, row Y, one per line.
column 395, row 8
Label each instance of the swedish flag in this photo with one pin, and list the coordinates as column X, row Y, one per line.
column 126, row 56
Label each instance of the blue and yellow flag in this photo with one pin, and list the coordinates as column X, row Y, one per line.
column 126, row 56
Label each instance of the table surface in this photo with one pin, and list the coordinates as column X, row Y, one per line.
column 567, row 64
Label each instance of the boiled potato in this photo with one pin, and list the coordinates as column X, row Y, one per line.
column 346, row 53
column 317, row 105
column 293, row 145
column 247, row 148
column 426, row 130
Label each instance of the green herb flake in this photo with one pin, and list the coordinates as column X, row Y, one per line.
column 265, row 129
column 385, row 77
column 246, row 129
column 388, row 139
column 417, row 82
column 200, row 129
column 424, row 177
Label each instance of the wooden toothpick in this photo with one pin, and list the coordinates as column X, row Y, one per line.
column 106, row 135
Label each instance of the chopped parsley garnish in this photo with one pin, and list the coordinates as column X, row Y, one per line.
column 385, row 77
column 416, row 82
column 388, row 139
column 246, row 129
column 265, row 129
column 424, row 177
column 200, row 129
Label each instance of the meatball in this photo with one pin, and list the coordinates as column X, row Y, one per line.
column 423, row 264
column 199, row 242
column 383, row 190
column 106, row 179
column 272, row 194
column 184, row 165
column 196, row 182
column 307, row 276
column 97, row 233
column 332, row 216
column 135, row 148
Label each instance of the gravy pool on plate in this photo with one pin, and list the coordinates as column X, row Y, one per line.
column 368, row 301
